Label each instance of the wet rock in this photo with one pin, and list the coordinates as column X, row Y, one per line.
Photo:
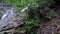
column 12, row 20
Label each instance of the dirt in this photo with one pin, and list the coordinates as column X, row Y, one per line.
column 52, row 26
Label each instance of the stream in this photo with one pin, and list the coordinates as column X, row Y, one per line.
column 9, row 19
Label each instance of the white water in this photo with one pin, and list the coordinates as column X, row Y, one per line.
column 8, row 14
column 25, row 8
column 6, row 17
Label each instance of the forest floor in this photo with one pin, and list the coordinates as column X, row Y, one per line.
column 51, row 26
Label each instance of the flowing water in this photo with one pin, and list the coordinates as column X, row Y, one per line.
column 6, row 17
column 9, row 18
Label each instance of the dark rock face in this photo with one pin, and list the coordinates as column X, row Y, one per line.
column 52, row 27
column 57, row 2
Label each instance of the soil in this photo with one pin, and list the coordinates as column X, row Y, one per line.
column 51, row 26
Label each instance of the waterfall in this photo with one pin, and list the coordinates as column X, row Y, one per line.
column 9, row 17
column 6, row 17
column 8, row 14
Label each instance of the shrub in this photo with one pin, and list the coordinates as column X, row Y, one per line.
column 34, row 18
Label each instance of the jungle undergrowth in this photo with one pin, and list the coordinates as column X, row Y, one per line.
column 33, row 20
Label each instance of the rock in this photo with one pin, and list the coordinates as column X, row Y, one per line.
column 15, row 22
column 12, row 20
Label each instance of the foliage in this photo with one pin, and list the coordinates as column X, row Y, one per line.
column 33, row 19
column 44, row 3
column 30, row 26
column 32, row 22
column 19, row 3
column 50, row 13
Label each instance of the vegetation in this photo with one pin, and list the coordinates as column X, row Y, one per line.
column 33, row 20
